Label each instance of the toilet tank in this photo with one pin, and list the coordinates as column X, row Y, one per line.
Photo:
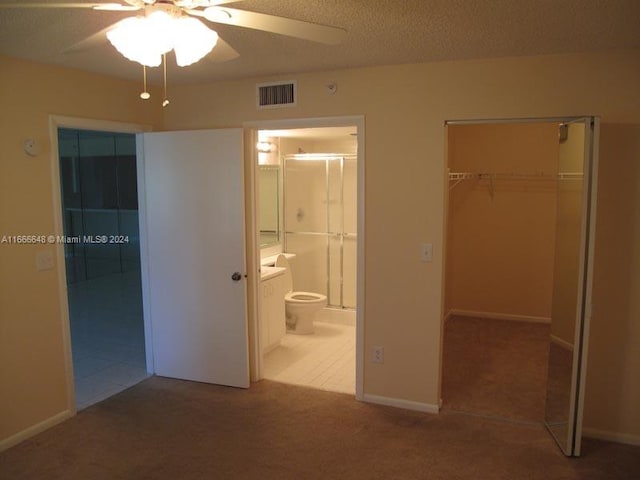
column 282, row 261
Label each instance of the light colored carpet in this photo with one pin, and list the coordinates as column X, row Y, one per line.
column 495, row 367
column 172, row 429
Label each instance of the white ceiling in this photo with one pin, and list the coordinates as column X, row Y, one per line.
column 380, row 32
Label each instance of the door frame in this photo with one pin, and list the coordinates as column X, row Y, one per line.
column 253, row 247
column 61, row 121
column 587, row 249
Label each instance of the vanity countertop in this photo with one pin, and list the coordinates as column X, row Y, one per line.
column 270, row 272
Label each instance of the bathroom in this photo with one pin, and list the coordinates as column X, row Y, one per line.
column 306, row 182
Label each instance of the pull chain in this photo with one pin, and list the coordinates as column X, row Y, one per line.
column 165, row 102
column 145, row 95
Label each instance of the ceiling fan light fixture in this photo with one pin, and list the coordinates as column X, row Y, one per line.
column 142, row 39
column 192, row 40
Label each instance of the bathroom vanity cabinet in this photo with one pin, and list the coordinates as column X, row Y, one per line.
column 272, row 313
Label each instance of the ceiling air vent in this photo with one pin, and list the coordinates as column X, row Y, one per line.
column 276, row 95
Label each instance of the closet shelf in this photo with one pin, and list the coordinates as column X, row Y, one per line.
column 457, row 177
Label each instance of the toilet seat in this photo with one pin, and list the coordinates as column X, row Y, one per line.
column 300, row 307
column 303, row 298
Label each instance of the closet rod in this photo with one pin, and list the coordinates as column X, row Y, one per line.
column 458, row 177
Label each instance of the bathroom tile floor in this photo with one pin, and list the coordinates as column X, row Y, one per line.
column 324, row 360
column 107, row 336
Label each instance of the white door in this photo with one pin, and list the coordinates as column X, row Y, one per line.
column 195, row 254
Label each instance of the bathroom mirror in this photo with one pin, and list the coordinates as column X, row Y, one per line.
column 570, row 313
column 269, row 205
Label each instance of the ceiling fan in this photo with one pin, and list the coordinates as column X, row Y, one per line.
column 164, row 25
column 179, row 25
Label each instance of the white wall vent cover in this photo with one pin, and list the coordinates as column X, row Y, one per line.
column 277, row 95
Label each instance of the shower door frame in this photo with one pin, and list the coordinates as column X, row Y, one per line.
column 253, row 248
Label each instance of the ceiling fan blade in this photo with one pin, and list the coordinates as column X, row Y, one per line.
column 94, row 6
column 222, row 52
column 274, row 24
column 202, row 3
column 96, row 40
column 116, row 7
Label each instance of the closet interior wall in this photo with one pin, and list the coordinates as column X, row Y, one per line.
column 501, row 231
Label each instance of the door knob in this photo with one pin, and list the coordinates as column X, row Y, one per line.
column 236, row 277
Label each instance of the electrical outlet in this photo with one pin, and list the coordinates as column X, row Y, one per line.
column 44, row 260
column 426, row 253
column 378, row 354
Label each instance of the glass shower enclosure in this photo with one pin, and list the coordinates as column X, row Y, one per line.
column 320, row 224
column 100, row 203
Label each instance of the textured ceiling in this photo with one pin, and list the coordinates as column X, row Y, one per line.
column 380, row 32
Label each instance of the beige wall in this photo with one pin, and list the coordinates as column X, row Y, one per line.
column 500, row 247
column 405, row 108
column 32, row 377
column 613, row 386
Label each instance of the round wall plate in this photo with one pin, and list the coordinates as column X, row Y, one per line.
column 30, row 147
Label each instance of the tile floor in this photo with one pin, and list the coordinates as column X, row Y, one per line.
column 107, row 336
column 324, row 360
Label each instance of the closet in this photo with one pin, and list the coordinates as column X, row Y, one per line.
column 513, row 251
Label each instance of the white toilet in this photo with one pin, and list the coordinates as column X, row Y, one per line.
column 300, row 307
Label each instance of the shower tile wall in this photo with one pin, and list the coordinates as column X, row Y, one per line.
column 305, row 211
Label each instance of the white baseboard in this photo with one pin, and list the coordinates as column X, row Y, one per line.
column 34, row 430
column 612, row 436
column 499, row 316
column 562, row 343
column 399, row 403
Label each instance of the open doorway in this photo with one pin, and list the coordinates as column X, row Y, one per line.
column 515, row 258
column 99, row 211
column 307, row 231
column 501, row 240
column 520, row 235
